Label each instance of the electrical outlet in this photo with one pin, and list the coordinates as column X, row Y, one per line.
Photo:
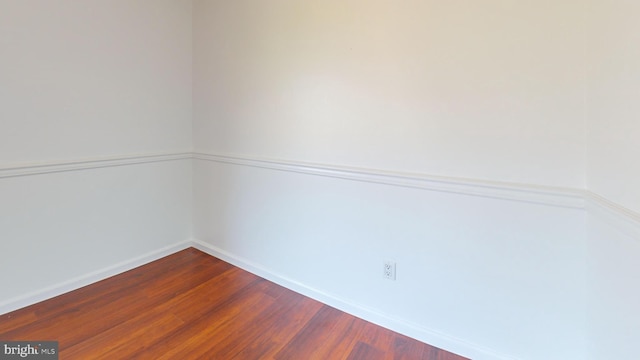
column 389, row 270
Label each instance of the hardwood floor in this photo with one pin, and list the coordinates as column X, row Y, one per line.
column 190, row 305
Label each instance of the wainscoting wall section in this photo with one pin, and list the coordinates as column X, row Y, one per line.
column 488, row 270
column 613, row 275
column 485, row 269
column 68, row 224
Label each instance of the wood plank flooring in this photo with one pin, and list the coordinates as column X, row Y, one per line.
column 190, row 305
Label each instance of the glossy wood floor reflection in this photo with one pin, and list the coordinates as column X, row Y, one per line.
column 190, row 305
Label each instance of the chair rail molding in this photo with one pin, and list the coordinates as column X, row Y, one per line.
column 575, row 198
column 88, row 163
column 547, row 195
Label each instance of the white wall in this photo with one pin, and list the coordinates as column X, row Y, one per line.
column 613, row 294
column 614, row 81
column 488, row 90
column 614, row 173
column 66, row 229
column 479, row 89
column 476, row 276
column 90, row 81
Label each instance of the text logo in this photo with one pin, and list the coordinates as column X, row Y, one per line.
column 32, row 350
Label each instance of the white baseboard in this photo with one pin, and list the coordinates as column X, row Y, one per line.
column 90, row 278
column 419, row 332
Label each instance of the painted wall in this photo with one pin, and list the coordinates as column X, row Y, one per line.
column 485, row 278
column 614, row 81
column 613, row 294
column 476, row 89
column 90, row 81
column 486, row 90
column 614, row 173
column 93, row 79
column 67, row 229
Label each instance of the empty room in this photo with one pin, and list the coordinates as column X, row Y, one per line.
column 330, row 179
